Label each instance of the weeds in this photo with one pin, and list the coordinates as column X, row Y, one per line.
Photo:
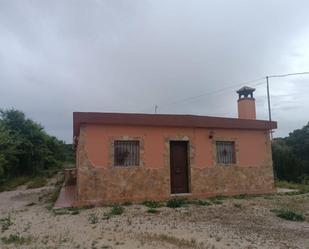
column 152, row 204
column 13, row 183
column 288, row 215
column 115, row 210
column 75, row 212
column 175, row 203
column 16, row 239
column 152, row 211
column 55, row 195
column 93, row 218
column 302, row 188
column 216, row 202
column 61, row 211
column 240, row 197
column 6, row 223
column 199, row 202
column 177, row 242
column 37, row 182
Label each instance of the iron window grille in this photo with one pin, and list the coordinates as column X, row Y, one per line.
column 226, row 152
column 126, row 153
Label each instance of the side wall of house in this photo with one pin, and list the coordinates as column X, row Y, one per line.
column 99, row 181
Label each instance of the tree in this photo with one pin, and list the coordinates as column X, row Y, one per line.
column 291, row 155
column 25, row 148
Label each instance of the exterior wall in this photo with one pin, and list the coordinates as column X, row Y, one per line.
column 246, row 108
column 99, row 181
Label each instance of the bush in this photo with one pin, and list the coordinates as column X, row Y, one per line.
column 26, row 149
column 175, row 203
column 152, row 211
column 6, row 222
column 288, row 215
column 117, row 210
column 93, row 218
column 37, row 182
column 16, row 239
column 152, row 204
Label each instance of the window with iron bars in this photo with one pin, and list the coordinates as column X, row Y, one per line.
column 226, row 152
column 126, row 153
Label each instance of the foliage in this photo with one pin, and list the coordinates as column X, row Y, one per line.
column 16, row 239
column 5, row 223
column 37, row 182
column 200, row 202
column 175, row 203
column 12, row 183
column 152, row 210
column 115, row 210
column 26, row 149
column 291, row 157
column 93, row 218
column 288, row 215
column 216, row 202
column 152, row 204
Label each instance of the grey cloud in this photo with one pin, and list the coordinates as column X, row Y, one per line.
column 57, row 57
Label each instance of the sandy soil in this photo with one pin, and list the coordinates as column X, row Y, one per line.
column 237, row 223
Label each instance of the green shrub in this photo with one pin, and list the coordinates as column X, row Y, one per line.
column 302, row 188
column 75, row 212
column 16, row 239
column 152, row 211
column 13, row 183
column 152, row 204
column 26, row 150
column 93, row 218
column 242, row 196
column 175, row 203
column 288, row 215
column 117, row 210
column 37, row 182
column 5, row 223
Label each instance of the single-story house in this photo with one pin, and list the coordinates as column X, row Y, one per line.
column 134, row 157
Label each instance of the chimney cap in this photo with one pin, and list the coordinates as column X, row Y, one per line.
column 245, row 89
column 246, row 92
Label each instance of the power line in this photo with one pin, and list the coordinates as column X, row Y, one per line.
column 268, row 93
column 208, row 93
column 287, row 74
column 193, row 98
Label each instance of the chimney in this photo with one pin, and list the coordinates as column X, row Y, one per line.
column 246, row 103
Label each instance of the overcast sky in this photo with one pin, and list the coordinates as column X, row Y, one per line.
column 57, row 57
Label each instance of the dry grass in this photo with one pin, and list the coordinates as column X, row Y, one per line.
column 173, row 240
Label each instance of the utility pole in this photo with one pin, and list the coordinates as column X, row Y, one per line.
column 269, row 110
column 268, row 95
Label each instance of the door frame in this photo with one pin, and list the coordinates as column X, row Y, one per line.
column 188, row 154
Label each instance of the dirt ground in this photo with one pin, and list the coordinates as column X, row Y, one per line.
column 236, row 223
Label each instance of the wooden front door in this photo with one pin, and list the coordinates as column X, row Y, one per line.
column 179, row 166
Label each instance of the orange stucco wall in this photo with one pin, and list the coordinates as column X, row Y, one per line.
column 252, row 145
